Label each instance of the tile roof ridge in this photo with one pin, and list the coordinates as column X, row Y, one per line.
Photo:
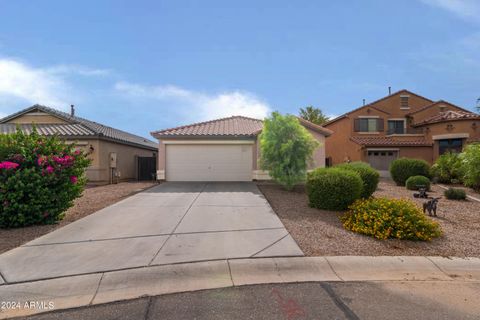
column 195, row 124
column 370, row 104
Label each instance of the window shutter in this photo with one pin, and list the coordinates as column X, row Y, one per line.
column 356, row 125
column 380, row 124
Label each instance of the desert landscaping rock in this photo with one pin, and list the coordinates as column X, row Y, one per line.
column 320, row 232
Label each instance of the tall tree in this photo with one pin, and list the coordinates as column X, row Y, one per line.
column 314, row 115
column 286, row 148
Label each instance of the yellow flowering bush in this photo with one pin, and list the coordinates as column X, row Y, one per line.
column 385, row 218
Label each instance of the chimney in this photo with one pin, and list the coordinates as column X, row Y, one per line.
column 389, row 90
column 72, row 110
column 363, row 101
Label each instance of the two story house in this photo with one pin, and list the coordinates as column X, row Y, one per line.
column 403, row 124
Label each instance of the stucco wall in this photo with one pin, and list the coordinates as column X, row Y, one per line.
column 257, row 173
column 126, row 161
column 36, row 117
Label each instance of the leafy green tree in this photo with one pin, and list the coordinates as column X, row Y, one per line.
column 471, row 165
column 314, row 115
column 286, row 149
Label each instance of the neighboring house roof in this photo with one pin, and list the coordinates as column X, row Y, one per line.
column 232, row 127
column 390, row 141
column 77, row 127
column 371, row 105
column 48, row 129
column 449, row 116
column 434, row 104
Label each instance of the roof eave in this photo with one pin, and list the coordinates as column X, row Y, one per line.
column 199, row 137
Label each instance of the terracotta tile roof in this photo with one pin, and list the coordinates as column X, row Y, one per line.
column 434, row 104
column 371, row 105
column 65, row 130
column 449, row 116
column 390, row 141
column 78, row 127
column 235, row 126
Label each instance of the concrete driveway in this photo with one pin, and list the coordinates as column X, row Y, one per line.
column 170, row 223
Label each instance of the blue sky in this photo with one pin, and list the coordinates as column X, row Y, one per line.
column 147, row 65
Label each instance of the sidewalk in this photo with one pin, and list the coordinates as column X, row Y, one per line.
column 99, row 288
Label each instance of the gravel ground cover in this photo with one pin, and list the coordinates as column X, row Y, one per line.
column 92, row 200
column 320, row 232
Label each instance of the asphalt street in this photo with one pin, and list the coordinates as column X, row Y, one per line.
column 316, row 300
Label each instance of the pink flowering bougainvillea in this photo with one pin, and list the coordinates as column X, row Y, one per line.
column 8, row 165
column 39, row 178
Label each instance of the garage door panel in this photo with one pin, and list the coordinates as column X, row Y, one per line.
column 209, row 162
column 381, row 159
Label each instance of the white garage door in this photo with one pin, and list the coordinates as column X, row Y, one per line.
column 208, row 162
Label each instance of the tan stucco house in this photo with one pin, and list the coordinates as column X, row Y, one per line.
column 402, row 124
column 115, row 153
column 225, row 149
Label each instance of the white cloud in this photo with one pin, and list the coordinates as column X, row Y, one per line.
column 64, row 69
column 467, row 9
column 200, row 106
column 19, row 81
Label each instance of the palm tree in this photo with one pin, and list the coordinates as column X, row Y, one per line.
column 314, row 115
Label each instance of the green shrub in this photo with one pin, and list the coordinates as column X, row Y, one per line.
column 414, row 182
column 370, row 176
column 471, row 165
column 333, row 188
column 286, row 148
column 447, row 168
column 404, row 168
column 455, row 194
column 39, row 179
column 385, row 218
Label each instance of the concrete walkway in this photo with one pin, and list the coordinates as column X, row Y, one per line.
column 99, row 288
column 170, row 223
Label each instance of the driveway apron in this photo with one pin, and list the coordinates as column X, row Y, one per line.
column 173, row 222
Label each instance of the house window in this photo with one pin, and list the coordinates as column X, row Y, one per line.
column 368, row 125
column 404, row 102
column 396, row 126
column 450, row 145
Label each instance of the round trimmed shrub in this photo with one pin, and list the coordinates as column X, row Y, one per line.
column 415, row 182
column 333, row 188
column 455, row 194
column 384, row 218
column 39, row 179
column 370, row 176
column 404, row 168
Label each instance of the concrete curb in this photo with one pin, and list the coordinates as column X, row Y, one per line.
column 98, row 288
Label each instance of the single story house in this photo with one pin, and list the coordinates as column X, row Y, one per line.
column 116, row 155
column 225, row 149
column 402, row 124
